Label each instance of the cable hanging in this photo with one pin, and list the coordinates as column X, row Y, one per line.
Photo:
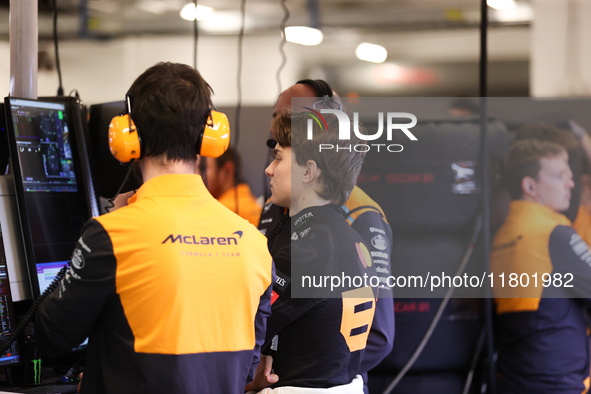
column 60, row 89
column 195, row 36
column 281, row 45
column 239, row 74
column 239, row 100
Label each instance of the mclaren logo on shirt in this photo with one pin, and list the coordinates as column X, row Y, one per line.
column 200, row 240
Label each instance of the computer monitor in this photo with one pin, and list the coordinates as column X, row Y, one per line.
column 51, row 181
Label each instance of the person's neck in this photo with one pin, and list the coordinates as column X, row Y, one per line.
column 152, row 167
column 306, row 200
column 537, row 201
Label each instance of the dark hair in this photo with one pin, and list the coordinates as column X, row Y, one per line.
column 281, row 128
column 324, row 91
column 547, row 132
column 523, row 160
column 338, row 168
column 322, row 88
column 170, row 104
column 232, row 156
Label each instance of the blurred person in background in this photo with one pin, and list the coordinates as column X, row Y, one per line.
column 223, row 178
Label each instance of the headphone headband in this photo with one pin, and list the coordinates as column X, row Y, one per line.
column 322, row 88
column 126, row 144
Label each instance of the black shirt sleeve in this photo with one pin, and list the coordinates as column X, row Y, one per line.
column 572, row 260
column 66, row 317
column 378, row 237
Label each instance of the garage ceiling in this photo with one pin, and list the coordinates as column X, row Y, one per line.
column 115, row 18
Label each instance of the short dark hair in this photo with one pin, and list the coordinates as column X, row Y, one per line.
column 338, row 168
column 281, row 128
column 232, row 156
column 324, row 91
column 547, row 132
column 523, row 160
column 170, row 104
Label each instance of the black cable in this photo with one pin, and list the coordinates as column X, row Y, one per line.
column 9, row 378
column 29, row 315
column 488, row 302
column 239, row 94
column 60, row 89
column 479, row 346
column 239, row 74
column 195, row 37
column 281, row 45
column 112, row 199
column 439, row 313
column 483, row 48
column 77, row 95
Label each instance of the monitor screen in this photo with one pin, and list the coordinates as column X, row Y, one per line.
column 48, row 174
column 43, row 146
column 7, row 317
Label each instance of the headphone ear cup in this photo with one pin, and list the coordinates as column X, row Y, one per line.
column 215, row 137
column 125, row 144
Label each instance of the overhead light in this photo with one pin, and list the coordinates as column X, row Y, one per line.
column 188, row 12
column 225, row 22
column 523, row 12
column 303, row 35
column 371, row 52
column 501, row 4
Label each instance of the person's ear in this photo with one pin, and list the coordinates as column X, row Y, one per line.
column 529, row 186
column 311, row 171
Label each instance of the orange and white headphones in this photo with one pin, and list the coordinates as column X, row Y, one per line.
column 125, row 141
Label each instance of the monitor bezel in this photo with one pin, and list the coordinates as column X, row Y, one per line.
column 75, row 132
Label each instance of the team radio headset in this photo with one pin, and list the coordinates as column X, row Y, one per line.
column 125, row 141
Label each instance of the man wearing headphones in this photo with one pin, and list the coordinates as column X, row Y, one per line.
column 173, row 290
column 362, row 213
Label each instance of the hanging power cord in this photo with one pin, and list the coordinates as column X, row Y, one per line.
column 60, row 89
column 479, row 346
column 239, row 74
column 239, row 94
column 488, row 302
column 195, row 37
column 29, row 315
column 281, row 45
column 77, row 95
column 112, row 199
column 439, row 313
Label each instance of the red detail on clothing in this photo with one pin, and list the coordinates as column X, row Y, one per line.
column 274, row 297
